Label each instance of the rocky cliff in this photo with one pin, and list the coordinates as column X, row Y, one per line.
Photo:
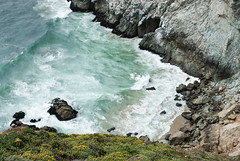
column 203, row 39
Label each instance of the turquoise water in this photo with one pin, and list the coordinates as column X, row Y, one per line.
column 48, row 52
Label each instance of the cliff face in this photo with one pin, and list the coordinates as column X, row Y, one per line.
column 201, row 37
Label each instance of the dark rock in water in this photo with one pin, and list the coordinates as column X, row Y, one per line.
column 111, row 129
column 129, row 134
column 49, row 129
column 202, row 124
column 177, row 98
column 163, row 112
column 151, row 88
column 187, row 78
column 34, row 120
column 62, row 110
column 178, row 104
column 187, row 115
column 145, row 138
column 16, row 123
column 181, row 88
column 19, row 115
column 135, row 133
column 166, row 59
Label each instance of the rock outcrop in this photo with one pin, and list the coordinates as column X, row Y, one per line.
column 201, row 37
column 62, row 110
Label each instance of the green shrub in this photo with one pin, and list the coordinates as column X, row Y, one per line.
column 43, row 145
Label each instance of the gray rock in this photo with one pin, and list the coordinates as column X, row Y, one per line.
column 190, row 86
column 232, row 117
column 196, row 117
column 206, row 51
column 202, row 124
column 181, row 88
column 213, row 120
column 62, row 110
column 145, row 138
column 200, row 100
column 187, row 115
column 177, row 138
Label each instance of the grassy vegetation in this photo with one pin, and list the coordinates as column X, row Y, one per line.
column 42, row 145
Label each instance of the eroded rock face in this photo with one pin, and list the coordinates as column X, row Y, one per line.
column 201, row 37
column 62, row 110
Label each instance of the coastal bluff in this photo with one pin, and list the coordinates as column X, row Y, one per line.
column 202, row 38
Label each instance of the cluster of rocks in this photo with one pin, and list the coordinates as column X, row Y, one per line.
column 213, row 116
column 59, row 108
column 17, row 123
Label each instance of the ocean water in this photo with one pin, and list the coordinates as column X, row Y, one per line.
column 48, row 52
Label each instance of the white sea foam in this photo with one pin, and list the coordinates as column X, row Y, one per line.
column 141, row 81
column 144, row 117
column 51, row 9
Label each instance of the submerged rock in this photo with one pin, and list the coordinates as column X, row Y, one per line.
column 62, row 110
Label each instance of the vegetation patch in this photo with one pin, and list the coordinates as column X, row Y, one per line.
column 47, row 146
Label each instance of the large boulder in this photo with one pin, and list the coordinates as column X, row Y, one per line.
column 62, row 110
column 229, row 138
column 19, row 115
column 177, row 138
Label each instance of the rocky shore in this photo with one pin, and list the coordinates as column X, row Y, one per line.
column 202, row 38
